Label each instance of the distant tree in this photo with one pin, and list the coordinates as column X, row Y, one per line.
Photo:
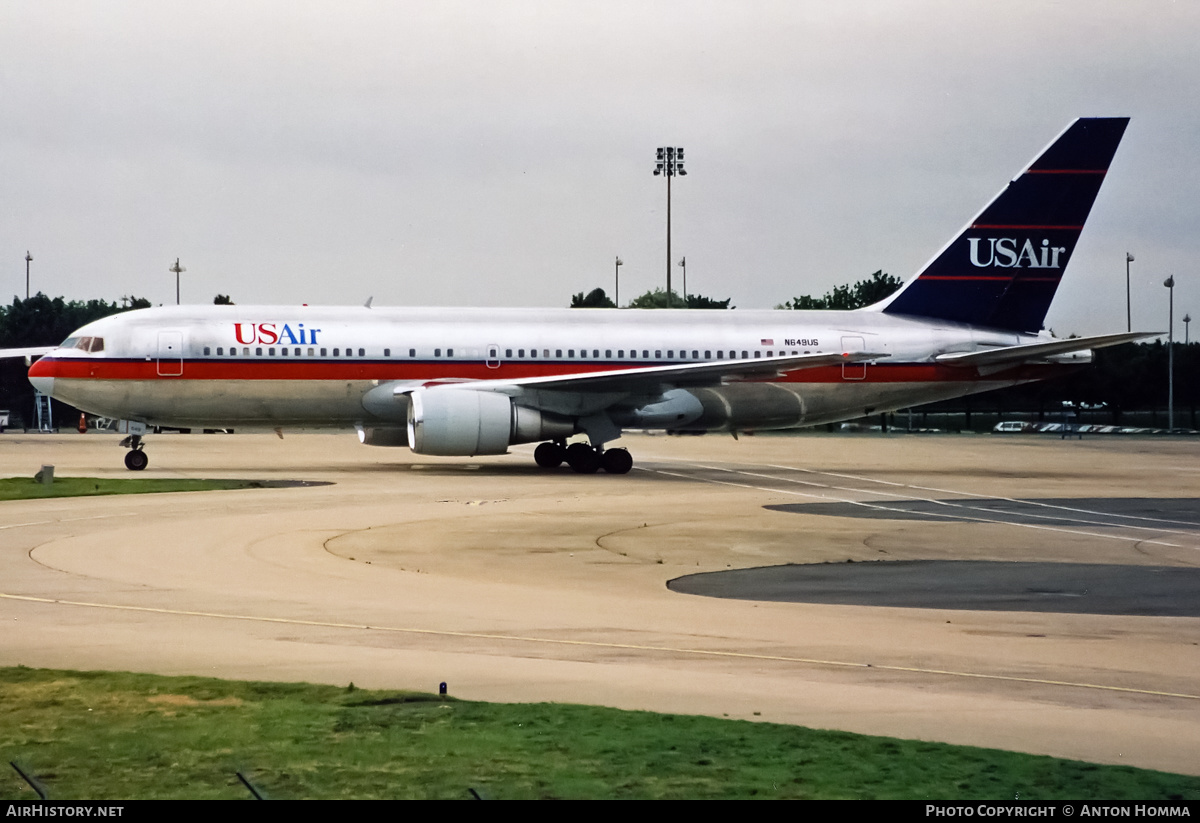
column 595, row 299
column 657, row 299
column 222, row 300
column 863, row 293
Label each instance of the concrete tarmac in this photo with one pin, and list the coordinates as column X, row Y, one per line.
column 514, row 584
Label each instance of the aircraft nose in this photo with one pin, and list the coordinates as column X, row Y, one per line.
column 43, row 384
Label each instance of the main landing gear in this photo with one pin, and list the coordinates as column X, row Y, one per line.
column 583, row 458
column 135, row 458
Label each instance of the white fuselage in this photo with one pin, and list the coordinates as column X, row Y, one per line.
column 275, row 366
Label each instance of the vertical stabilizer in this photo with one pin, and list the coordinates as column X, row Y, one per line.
column 1002, row 270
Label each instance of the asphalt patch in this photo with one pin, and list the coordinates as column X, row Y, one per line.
column 975, row 585
column 1157, row 512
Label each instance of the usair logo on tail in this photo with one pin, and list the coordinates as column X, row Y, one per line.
column 1002, row 252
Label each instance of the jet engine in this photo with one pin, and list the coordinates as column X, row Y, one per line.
column 466, row 423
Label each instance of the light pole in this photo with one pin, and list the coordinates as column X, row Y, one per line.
column 1170, row 284
column 28, row 260
column 617, row 281
column 1128, row 310
column 683, row 265
column 177, row 269
column 1187, row 318
column 669, row 163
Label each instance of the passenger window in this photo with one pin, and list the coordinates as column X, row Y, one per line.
column 206, row 351
column 582, row 353
column 707, row 354
column 245, row 351
column 645, row 354
column 658, row 354
column 220, row 350
column 323, row 352
column 449, row 352
column 671, row 354
column 595, row 353
column 632, row 354
column 558, row 352
column 758, row 354
column 545, row 352
column 258, row 351
column 507, row 353
column 620, row 354
column 361, row 352
column 437, row 352
column 608, row 354
column 695, row 354
column 720, row 355
column 310, row 352
column 271, row 351
column 533, row 352
column 412, row 352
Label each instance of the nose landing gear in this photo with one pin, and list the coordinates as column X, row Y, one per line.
column 135, row 458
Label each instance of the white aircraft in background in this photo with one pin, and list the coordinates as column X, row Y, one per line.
column 476, row 381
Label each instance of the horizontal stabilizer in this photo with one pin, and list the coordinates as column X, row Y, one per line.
column 1038, row 351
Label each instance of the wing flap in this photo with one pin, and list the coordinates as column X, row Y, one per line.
column 653, row 378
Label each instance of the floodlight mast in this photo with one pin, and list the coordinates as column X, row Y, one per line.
column 668, row 163
column 177, row 269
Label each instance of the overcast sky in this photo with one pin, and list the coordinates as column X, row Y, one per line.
column 501, row 153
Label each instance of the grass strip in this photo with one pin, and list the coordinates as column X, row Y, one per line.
column 122, row 736
column 25, row 488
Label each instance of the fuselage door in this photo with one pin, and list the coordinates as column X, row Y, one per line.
column 493, row 356
column 170, row 353
column 853, row 371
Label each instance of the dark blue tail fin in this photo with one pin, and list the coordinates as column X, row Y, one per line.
column 1003, row 269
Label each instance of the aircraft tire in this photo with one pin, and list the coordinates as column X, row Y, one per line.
column 616, row 461
column 583, row 458
column 549, row 455
column 136, row 460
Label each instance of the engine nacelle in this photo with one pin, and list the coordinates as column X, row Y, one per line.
column 675, row 410
column 465, row 423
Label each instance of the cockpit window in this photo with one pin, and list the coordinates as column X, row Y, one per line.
column 92, row 344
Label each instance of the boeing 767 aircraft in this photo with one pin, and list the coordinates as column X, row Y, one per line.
column 476, row 381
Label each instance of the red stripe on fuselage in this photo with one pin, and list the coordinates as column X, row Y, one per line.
column 386, row 370
column 1022, row 226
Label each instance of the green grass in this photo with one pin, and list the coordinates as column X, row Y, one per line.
column 97, row 735
column 26, row 488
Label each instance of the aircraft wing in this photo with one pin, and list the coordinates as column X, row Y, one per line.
column 1038, row 351
column 656, row 378
column 31, row 351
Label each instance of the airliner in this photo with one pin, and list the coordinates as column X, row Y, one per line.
column 473, row 382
